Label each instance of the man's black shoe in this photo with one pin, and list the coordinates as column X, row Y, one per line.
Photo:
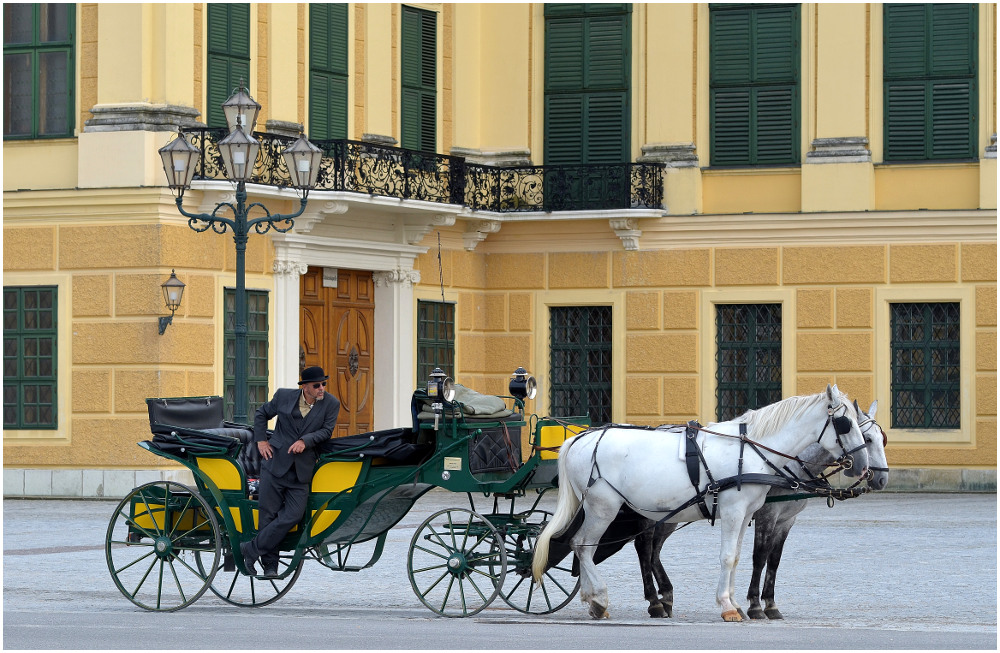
column 271, row 572
column 248, row 558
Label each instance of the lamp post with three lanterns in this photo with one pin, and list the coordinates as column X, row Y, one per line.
column 239, row 154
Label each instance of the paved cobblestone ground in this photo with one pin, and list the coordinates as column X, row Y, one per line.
column 904, row 563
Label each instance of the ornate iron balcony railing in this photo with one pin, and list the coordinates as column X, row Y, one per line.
column 372, row 169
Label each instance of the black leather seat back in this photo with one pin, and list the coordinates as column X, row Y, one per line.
column 188, row 412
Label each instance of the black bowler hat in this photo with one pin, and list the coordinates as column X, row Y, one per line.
column 313, row 374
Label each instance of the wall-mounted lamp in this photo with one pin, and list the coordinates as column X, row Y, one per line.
column 173, row 290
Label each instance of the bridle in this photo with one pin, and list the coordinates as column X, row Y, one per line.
column 842, row 426
column 866, row 426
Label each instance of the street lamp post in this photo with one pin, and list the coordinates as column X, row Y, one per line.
column 239, row 153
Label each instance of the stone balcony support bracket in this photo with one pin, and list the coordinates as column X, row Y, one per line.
column 628, row 230
column 477, row 232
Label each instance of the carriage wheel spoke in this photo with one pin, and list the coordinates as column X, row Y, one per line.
column 142, row 580
column 447, row 593
column 428, row 551
column 177, row 581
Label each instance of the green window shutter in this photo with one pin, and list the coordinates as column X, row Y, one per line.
column 607, row 127
column 754, row 92
column 564, row 129
column 729, row 48
column 906, row 123
column 587, row 83
column 418, row 122
column 931, row 94
column 328, row 74
column 228, row 56
column 775, row 125
column 257, row 350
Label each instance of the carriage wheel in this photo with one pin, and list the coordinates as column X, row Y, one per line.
column 519, row 591
column 154, row 538
column 248, row 591
column 456, row 562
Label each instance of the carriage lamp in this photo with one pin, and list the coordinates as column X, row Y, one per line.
column 173, row 290
column 522, row 385
column 440, row 388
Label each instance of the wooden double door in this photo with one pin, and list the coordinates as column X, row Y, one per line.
column 337, row 332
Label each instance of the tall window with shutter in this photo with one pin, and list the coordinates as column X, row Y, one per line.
column 327, row 71
column 38, row 70
column 418, row 130
column 587, row 83
column 228, row 56
column 754, row 84
column 930, row 81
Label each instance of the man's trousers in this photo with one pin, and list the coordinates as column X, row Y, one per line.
column 282, row 504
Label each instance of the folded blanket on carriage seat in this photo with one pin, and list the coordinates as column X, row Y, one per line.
column 473, row 404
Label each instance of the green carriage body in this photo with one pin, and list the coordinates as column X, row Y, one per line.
column 356, row 495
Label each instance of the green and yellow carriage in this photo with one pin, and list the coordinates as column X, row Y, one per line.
column 168, row 543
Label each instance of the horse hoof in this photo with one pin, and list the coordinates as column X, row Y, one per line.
column 773, row 613
column 731, row 616
column 656, row 611
column 756, row 613
column 668, row 608
column 598, row 611
column 743, row 615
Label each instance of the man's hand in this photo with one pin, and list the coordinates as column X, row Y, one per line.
column 297, row 447
column 264, row 447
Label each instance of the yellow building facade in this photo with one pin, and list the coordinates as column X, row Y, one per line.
column 839, row 243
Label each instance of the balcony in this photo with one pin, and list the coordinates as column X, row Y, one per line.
column 384, row 171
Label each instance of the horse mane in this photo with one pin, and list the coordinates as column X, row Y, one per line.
column 773, row 417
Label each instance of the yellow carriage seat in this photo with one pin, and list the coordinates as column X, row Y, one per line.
column 552, row 436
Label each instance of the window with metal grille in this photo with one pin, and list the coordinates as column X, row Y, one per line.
column 929, row 75
column 29, row 357
column 435, row 339
column 327, row 70
column 256, row 351
column 228, row 56
column 748, row 365
column 754, row 84
column 925, row 365
column 418, row 128
column 38, row 69
column 580, row 350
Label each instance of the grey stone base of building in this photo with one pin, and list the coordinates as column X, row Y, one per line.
column 116, row 483
column 915, row 479
column 84, row 483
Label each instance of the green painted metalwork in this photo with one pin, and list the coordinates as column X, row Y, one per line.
column 926, row 365
column 30, row 344
column 435, row 338
column 257, row 346
column 580, row 361
column 748, row 364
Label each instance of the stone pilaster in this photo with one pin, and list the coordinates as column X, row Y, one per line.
column 287, row 274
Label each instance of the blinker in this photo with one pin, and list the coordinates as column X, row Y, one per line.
column 842, row 425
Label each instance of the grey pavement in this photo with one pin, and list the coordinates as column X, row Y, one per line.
column 881, row 571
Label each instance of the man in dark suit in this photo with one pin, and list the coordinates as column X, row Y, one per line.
column 306, row 418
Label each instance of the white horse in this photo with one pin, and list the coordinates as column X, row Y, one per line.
column 601, row 469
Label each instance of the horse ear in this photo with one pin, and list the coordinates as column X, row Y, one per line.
column 831, row 392
column 873, row 409
column 857, row 408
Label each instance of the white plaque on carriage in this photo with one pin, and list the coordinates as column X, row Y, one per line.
column 453, row 464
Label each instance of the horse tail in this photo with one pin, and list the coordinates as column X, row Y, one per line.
column 567, row 504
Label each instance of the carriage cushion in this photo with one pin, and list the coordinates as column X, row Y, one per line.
column 395, row 446
column 249, row 456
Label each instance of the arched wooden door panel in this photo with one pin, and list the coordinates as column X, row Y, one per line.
column 337, row 327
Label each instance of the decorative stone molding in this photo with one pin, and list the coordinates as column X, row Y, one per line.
column 313, row 216
column 628, row 230
column 141, row 117
column 384, row 279
column 379, row 139
column 478, row 231
column 284, row 128
column 991, row 149
column 846, row 149
column 675, row 155
column 511, row 158
column 289, row 268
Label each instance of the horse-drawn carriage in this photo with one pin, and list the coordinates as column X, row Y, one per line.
column 167, row 543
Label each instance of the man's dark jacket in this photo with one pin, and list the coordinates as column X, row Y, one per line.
column 314, row 429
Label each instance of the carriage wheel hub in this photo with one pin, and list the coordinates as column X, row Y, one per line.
column 163, row 547
column 456, row 563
